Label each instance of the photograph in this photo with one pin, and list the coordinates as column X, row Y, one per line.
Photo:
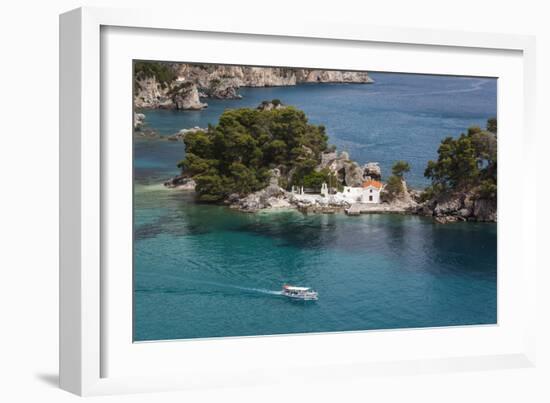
column 254, row 202
column 277, row 200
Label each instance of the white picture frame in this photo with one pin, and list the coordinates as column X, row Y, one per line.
column 96, row 355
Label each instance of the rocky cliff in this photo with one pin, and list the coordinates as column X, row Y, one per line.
column 460, row 206
column 223, row 82
column 348, row 172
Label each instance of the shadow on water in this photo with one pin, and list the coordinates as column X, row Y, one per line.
column 292, row 229
column 463, row 247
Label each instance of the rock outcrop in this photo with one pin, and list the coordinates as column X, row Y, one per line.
column 485, row 210
column 147, row 133
column 180, row 136
column 149, row 93
column 353, row 174
column 139, row 120
column 460, row 206
column 225, row 88
column 405, row 199
column 372, row 170
column 181, row 182
column 223, row 82
column 270, row 105
column 272, row 196
column 348, row 172
column 186, row 97
column 331, row 76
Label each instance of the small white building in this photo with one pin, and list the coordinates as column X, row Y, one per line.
column 369, row 192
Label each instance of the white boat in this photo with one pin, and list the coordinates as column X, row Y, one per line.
column 304, row 293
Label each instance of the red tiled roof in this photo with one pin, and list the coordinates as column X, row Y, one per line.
column 373, row 183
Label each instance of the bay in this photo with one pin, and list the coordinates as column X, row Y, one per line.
column 207, row 271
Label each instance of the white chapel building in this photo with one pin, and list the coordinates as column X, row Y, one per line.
column 369, row 192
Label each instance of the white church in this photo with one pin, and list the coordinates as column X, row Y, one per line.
column 369, row 192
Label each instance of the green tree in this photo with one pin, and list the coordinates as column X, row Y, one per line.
column 394, row 185
column 314, row 180
column 467, row 162
column 400, row 167
column 276, row 151
column 235, row 155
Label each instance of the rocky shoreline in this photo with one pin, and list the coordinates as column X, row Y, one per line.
column 456, row 208
column 193, row 82
column 275, row 198
column 142, row 130
column 460, row 206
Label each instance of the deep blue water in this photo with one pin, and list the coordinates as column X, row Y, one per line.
column 207, row 271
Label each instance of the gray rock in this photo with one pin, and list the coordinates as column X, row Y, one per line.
column 463, row 206
column 180, row 136
column 233, row 198
column 139, row 120
column 464, row 212
column 426, row 210
column 468, row 201
column 485, row 210
column 346, row 171
column 186, row 97
column 354, row 174
column 445, row 219
column 327, row 158
column 269, row 106
column 372, row 170
column 271, row 196
column 447, row 206
column 147, row 132
column 225, row 88
column 331, row 76
column 275, row 176
column 149, row 93
column 181, row 182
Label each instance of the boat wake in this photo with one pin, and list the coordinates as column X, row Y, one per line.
column 259, row 290
column 241, row 288
column 220, row 285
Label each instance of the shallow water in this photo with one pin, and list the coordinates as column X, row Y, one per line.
column 208, row 271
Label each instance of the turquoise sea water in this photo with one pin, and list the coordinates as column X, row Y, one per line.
column 400, row 116
column 207, row 271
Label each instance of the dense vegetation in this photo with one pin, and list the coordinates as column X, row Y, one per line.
column 237, row 154
column 468, row 162
column 315, row 179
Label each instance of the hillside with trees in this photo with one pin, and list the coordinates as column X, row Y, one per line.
column 236, row 156
column 464, row 177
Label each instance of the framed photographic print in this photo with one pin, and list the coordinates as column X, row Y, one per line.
column 275, row 200
column 230, row 196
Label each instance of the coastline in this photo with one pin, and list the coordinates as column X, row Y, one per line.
column 216, row 261
column 444, row 207
column 288, row 203
column 185, row 86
